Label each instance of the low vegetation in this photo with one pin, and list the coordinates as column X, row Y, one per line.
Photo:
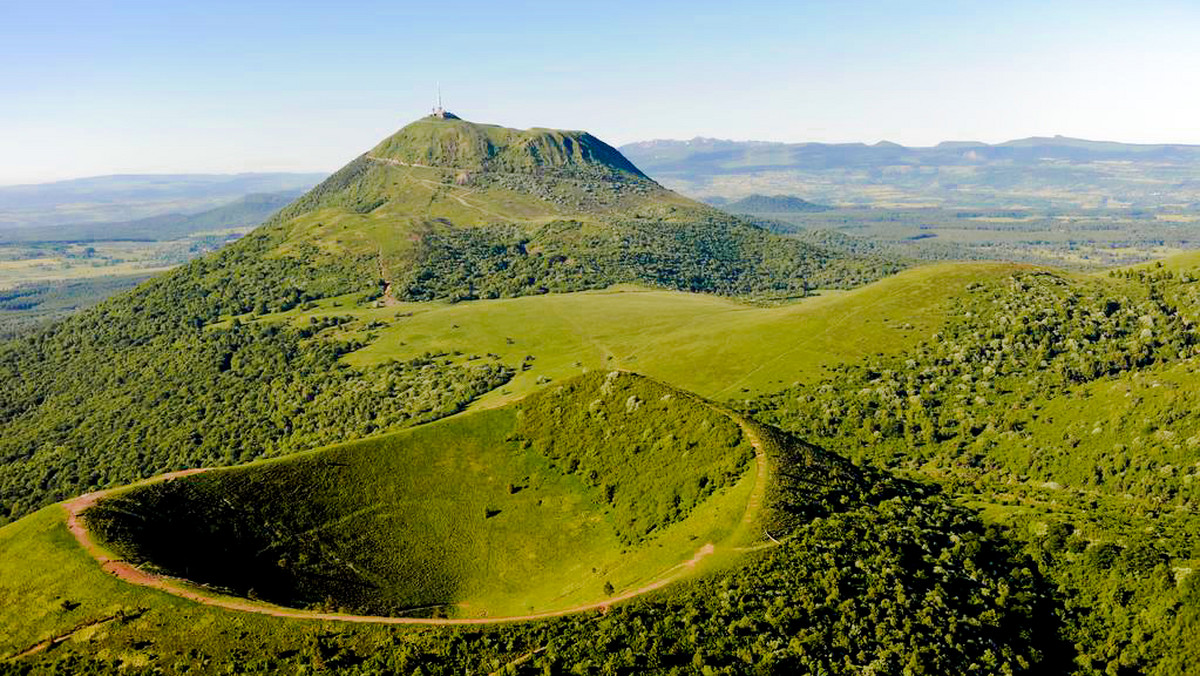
column 893, row 577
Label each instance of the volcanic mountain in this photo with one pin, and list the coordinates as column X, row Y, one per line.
column 442, row 209
column 446, row 208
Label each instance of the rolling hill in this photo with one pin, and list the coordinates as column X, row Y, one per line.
column 529, row 523
column 601, row 482
column 447, row 208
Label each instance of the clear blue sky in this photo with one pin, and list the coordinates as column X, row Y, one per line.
column 91, row 88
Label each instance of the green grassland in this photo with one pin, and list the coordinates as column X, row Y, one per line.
column 714, row 346
column 607, row 479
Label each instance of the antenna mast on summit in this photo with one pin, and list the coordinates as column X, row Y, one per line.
column 439, row 111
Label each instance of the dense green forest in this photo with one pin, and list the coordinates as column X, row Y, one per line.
column 712, row 255
column 139, row 385
column 1104, row 496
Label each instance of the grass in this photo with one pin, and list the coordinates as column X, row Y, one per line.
column 50, row 587
column 496, row 513
column 716, row 347
column 704, row 343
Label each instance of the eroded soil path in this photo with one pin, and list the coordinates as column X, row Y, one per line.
column 127, row 572
column 48, row 643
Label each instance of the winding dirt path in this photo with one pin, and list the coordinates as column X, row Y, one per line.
column 127, row 572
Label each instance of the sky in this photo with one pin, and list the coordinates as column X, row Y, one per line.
column 91, row 88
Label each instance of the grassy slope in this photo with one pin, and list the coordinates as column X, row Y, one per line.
column 710, row 345
column 42, row 567
column 493, row 212
column 385, row 204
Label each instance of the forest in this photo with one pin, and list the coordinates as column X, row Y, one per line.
column 985, row 408
column 139, row 385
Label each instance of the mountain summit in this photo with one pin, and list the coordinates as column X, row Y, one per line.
column 447, row 208
column 450, row 142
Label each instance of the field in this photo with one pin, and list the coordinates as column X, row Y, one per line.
column 26, row 264
column 716, row 347
column 41, row 282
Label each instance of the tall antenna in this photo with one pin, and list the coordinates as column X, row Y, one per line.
column 440, row 112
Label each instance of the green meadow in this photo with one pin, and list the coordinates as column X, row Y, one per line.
column 715, row 346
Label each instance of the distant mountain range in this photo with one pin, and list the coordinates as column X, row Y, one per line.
column 1033, row 172
column 129, row 197
column 245, row 211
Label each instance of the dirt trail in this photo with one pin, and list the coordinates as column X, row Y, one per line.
column 127, row 572
column 398, row 163
column 55, row 640
column 459, row 197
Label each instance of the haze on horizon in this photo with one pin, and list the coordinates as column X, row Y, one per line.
column 141, row 87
